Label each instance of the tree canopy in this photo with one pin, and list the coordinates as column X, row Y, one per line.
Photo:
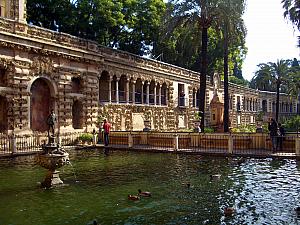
column 129, row 25
column 292, row 12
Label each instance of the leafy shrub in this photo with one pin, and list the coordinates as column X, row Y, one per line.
column 292, row 124
column 209, row 130
column 244, row 129
column 86, row 137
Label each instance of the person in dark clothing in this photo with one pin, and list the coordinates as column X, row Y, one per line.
column 272, row 127
column 280, row 138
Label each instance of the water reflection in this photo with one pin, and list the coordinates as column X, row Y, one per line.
column 262, row 191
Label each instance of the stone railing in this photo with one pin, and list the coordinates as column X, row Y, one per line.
column 69, row 41
column 53, row 37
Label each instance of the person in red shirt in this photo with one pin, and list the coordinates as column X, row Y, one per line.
column 106, row 128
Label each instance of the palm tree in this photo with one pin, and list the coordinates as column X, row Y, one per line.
column 205, row 14
column 278, row 73
column 232, row 24
column 292, row 12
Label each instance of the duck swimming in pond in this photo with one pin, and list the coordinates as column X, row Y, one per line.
column 144, row 193
column 229, row 211
column 133, row 197
column 297, row 209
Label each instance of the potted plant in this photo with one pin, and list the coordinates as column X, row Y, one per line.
column 86, row 138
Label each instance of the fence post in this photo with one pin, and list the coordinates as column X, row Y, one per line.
column 13, row 144
column 130, row 140
column 230, row 144
column 175, row 142
column 297, row 146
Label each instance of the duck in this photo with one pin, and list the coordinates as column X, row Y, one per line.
column 133, row 197
column 229, row 211
column 215, row 177
column 144, row 193
column 297, row 209
column 187, row 184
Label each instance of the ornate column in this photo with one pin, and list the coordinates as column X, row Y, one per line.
column 147, row 93
column 127, row 90
column 195, row 98
column 133, row 92
column 109, row 89
column 117, row 90
column 155, row 94
column 159, row 94
column 142, row 92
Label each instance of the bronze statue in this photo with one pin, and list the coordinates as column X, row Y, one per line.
column 51, row 122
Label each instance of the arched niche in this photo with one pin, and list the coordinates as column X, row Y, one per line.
column 3, row 114
column 77, row 115
column 104, row 87
column 41, row 103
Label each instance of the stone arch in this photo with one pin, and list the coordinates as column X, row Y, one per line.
column 146, row 83
column 42, row 100
column 164, row 94
column 104, row 86
column 77, row 115
column 138, row 91
column 114, row 88
column 264, row 106
column 152, row 94
column 3, row 114
column 157, row 93
column 122, row 88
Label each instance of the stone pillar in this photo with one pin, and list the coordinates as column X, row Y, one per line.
column 147, row 93
column 195, row 98
column 155, row 94
column 127, row 91
column 109, row 89
column 142, row 92
column 130, row 141
column 117, row 90
column 297, row 146
column 159, row 95
column 133, row 92
column 175, row 142
column 230, row 144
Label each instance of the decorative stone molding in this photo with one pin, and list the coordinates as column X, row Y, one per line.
column 41, row 65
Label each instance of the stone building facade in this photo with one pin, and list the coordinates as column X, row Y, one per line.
column 42, row 70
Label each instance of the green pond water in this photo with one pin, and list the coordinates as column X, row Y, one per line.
column 263, row 191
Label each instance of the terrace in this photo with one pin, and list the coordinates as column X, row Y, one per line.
column 225, row 144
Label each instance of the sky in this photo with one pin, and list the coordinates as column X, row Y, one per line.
column 269, row 36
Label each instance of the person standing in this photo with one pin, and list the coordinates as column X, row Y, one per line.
column 106, row 130
column 272, row 127
column 281, row 136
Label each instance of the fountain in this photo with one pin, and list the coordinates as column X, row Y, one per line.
column 52, row 158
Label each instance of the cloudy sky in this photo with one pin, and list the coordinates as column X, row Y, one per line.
column 269, row 35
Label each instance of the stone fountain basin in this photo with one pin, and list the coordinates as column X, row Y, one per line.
column 52, row 161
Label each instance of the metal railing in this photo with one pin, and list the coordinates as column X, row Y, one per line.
column 15, row 144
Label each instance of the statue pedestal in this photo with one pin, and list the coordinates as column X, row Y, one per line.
column 52, row 179
column 52, row 162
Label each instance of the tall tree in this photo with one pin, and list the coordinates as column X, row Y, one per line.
column 203, row 14
column 231, row 24
column 129, row 25
column 292, row 12
column 276, row 73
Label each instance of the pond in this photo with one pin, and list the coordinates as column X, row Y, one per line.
column 263, row 191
